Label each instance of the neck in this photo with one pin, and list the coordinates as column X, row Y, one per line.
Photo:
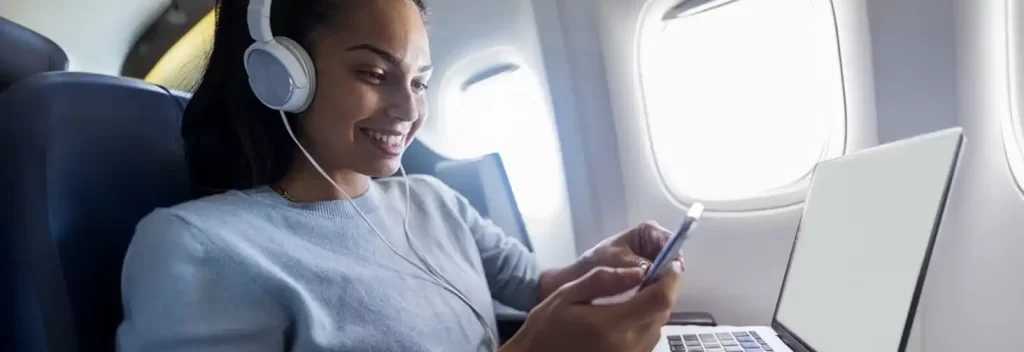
column 305, row 184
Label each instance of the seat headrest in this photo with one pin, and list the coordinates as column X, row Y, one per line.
column 85, row 157
column 26, row 53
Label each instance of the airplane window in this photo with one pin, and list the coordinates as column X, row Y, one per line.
column 742, row 97
column 1013, row 124
column 506, row 112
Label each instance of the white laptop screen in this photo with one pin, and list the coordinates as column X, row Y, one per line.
column 866, row 229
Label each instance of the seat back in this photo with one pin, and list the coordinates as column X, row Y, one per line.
column 482, row 181
column 25, row 53
column 485, row 184
column 85, row 157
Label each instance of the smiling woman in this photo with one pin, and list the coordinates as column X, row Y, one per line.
column 290, row 242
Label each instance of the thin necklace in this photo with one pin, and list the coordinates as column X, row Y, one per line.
column 284, row 193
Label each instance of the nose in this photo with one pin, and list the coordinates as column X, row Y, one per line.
column 403, row 104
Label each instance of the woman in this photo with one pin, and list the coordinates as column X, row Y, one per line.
column 279, row 255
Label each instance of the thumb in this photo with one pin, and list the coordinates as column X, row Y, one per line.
column 658, row 297
column 600, row 282
column 626, row 259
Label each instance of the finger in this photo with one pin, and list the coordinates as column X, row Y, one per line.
column 658, row 298
column 623, row 258
column 651, row 238
column 659, row 233
column 679, row 258
column 600, row 282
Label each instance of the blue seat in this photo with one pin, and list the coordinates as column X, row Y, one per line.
column 83, row 158
column 26, row 53
column 483, row 181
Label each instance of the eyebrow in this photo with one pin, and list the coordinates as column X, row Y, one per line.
column 384, row 54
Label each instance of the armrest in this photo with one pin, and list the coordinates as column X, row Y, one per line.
column 692, row 318
column 509, row 321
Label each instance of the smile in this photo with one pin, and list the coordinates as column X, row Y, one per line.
column 391, row 143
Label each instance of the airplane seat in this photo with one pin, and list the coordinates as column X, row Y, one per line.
column 483, row 181
column 26, row 53
column 85, row 157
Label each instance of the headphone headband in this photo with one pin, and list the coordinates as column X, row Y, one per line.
column 258, row 18
column 280, row 71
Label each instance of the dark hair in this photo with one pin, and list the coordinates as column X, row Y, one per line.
column 232, row 140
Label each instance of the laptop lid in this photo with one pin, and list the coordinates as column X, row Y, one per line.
column 863, row 245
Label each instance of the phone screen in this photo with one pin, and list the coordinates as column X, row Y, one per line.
column 661, row 262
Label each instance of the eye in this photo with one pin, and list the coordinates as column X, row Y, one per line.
column 419, row 86
column 373, row 76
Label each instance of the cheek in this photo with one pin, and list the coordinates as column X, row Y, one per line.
column 338, row 107
column 422, row 110
column 416, row 125
column 422, row 105
column 346, row 103
column 414, row 131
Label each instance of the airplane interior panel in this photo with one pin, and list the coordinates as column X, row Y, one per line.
column 564, row 125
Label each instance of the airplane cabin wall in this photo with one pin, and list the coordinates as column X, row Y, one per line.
column 913, row 47
column 975, row 285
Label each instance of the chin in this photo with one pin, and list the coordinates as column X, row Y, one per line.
column 382, row 168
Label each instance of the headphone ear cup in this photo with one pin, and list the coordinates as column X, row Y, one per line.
column 280, row 74
column 306, row 73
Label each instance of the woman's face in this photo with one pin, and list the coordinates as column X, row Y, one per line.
column 372, row 67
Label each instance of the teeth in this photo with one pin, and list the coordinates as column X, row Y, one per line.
column 385, row 138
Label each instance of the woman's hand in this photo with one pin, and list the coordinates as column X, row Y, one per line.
column 632, row 248
column 637, row 246
column 566, row 321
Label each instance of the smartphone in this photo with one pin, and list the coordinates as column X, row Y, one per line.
column 661, row 262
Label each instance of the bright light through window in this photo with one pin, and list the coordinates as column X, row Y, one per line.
column 508, row 114
column 741, row 98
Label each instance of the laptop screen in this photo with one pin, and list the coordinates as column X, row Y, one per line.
column 865, row 234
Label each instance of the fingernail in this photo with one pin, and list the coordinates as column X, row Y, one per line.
column 644, row 265
column 677, row 266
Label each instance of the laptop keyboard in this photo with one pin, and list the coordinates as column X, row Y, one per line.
column 738, row 341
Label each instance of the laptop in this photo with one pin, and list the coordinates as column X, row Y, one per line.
column 860, row 256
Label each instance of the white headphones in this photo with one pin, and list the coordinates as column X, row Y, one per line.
column 280, row 71
column 282, row 76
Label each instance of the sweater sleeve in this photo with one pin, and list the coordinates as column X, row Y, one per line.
column 512, row 272
column 179, row 293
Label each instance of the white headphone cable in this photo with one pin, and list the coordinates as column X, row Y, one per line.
column 426, row 262
column 430, row 271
